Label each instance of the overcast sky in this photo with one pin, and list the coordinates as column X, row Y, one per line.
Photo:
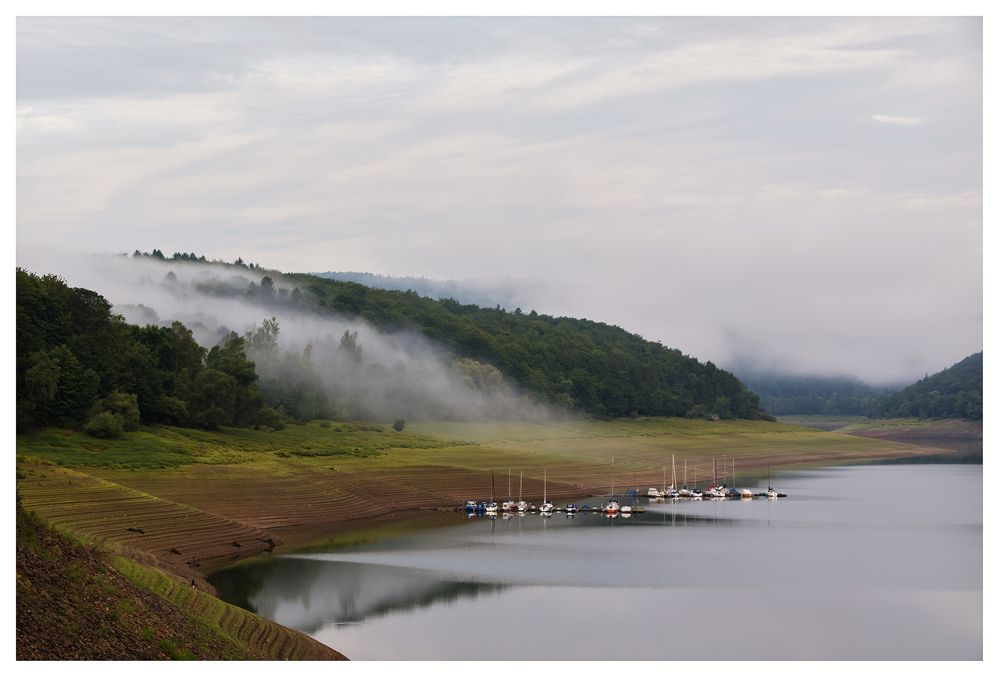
column 807, row 192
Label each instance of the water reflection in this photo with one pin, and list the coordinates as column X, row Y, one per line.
column 835, row 571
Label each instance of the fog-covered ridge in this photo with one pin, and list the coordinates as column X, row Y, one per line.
column 389, row 375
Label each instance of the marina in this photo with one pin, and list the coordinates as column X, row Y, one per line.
column 610, row 505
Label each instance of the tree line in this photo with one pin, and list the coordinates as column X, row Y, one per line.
column 80, row 365
column 955, row 392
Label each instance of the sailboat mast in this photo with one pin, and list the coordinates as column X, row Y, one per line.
column 493, row 473
column 674, row 472
column 509, row 490
column 521, row 496
column 612, row 476
column 546, row 486
column 684, row 473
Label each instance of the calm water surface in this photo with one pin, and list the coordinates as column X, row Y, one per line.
column 861, row 562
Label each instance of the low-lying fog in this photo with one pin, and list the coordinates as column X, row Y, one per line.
column 393, row 375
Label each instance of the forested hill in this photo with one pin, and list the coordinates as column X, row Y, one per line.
column 955, row 392
column 790, row 394
column 579, row 365
column 575, row 365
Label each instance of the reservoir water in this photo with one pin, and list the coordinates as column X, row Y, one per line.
column 860, row 562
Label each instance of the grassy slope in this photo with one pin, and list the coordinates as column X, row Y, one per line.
column 862, row 425
column 75, row 602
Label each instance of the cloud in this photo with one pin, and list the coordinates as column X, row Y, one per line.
column 682, row 175
column 897, row 120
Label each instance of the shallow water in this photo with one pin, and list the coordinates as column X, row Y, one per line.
column 860, row 562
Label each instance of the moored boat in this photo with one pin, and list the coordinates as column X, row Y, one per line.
column 547, row 508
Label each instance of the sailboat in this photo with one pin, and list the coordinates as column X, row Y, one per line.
column 613, row 507
column 508, row 504
column 672, row 492
column 521, row 503
column 696, row 493
column 685, row 492
column 491, row 507
column 771, row 492
column 716, row 490
column 547, row 508
column 741, row 493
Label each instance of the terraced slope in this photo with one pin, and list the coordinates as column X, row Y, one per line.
column 76, row 602
column 147, row 528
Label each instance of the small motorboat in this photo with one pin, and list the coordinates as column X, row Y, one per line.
column 612, row 507
column 571, row 509
column 470, row 506
column 653, row 492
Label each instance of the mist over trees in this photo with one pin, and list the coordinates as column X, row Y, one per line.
column 790, row 394
column 568, row 364
column 80, row 365
column 955, row 392
column 323, row 348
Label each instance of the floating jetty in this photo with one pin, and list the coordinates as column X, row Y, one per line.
column 535, row 510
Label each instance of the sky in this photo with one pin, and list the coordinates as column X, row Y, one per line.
column 802, row 194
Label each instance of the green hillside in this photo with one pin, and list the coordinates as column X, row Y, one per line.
column 575, row 364
column 955, row 392
column 72, row 353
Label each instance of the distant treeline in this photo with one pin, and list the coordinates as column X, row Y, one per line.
column 790, row 394
column 506, row 294
column 955, row 392
column 79, row 365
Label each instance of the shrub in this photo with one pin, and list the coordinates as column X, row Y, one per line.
column 399, row 424
column 106, row 425
column 123, row 405
column 269, row 417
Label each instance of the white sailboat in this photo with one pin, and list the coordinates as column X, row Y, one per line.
column 547, row 508
column 685, row 492
column 508, row 504
column 491, row 507
column 771, row 492
column 672, row 492
column 521, row 503
column 716, row 490
column 613, row 507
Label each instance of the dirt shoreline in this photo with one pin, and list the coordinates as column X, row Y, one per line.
column 192, row 520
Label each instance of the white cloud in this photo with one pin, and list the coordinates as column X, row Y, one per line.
column 897, row 120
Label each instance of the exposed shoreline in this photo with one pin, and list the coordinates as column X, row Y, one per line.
column 192, row 520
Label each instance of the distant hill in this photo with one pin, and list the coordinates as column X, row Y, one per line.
column 955, row 392
column 507, row 292
column 793, row 394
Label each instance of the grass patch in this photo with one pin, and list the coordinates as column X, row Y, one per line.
column 160, row 447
